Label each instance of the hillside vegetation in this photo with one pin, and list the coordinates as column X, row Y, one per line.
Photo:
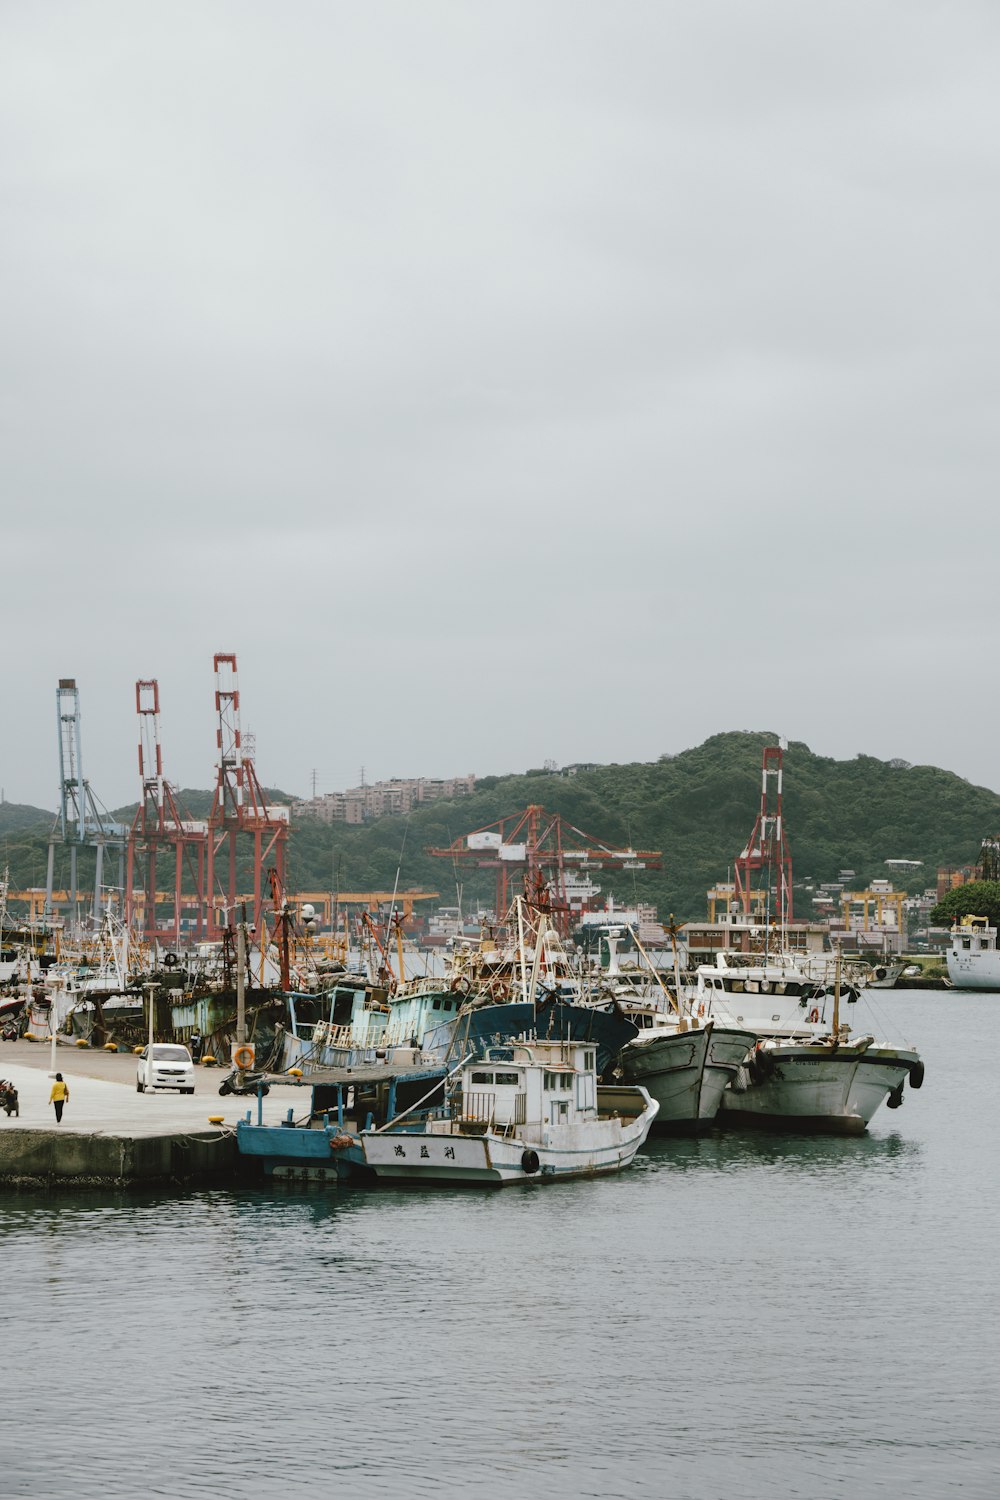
column 698, row 807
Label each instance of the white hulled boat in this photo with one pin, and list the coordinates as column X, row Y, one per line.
column 973, row 959
column 530, row 1111
column 829, row 1081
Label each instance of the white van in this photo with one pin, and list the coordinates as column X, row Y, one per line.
column 165, row 1065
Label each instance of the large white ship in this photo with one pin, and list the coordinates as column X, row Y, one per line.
column 973, row 960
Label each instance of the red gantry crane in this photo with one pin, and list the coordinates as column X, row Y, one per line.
column 767, row 848
column 546, row 856
column 158, row 823
column 238, row 807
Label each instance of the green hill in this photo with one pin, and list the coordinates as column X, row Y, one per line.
column 15, row 816
column 698, row 807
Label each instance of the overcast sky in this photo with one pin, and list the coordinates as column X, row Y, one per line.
column 500, row 382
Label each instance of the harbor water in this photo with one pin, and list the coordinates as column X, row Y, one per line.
column 751, row 1315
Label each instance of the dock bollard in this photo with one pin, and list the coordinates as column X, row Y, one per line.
column 216, row 1119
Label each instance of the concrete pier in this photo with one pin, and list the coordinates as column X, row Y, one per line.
column 109, row 1133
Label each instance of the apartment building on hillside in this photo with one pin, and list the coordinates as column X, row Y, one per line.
column 380, row 798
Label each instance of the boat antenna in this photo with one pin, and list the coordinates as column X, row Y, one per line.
column 395, row 889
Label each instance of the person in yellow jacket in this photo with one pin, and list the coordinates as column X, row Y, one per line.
column 58, row 1096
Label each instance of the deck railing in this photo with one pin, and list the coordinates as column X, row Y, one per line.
column 478, row 1109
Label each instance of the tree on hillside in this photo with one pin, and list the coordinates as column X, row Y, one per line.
column 980, row 898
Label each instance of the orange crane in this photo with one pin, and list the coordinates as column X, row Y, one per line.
column 548, row 854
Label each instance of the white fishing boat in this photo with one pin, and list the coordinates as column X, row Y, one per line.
column 973, row 959
column 526, row 1112
column 831, row 1082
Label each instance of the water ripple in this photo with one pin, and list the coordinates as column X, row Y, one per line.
column 756, row 1315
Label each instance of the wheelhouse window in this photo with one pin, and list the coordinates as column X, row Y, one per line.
column 482, row 1078
column 508, row 1078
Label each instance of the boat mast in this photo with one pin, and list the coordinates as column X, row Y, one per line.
column 537, row 958
column 520, row 948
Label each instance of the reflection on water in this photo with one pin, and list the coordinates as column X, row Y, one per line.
column 757, row 1315
column 732, row 1151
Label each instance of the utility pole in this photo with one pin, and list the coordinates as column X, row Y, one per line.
column 241, row 978
column 52, row 1029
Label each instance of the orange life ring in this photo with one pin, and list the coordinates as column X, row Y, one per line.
column 813, row 1016
column 243, row 1057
